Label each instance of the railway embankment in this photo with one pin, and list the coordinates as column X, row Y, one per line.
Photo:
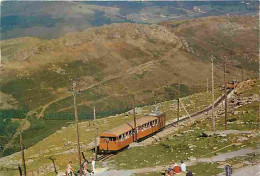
column 172, row 148
column 190, row 144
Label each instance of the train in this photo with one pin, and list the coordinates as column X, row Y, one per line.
column 120, row 137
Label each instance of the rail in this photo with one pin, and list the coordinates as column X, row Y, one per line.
column 104, row 157
column 217, row 102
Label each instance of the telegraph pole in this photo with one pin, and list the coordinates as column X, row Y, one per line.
column 212, row 95
column 259, row 90
column 22, row 152
column 225, row 89
column 242, row 75
column 135, row 135
column 178, row 108
column 207, row 88
column 77, row 125
column 95, row 130
column 178, row 113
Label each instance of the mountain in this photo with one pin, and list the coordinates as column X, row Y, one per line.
column 236, row 37
column 113, row 62
column 49, row 19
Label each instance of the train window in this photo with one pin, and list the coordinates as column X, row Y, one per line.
column 112, row 139
column 107, row 139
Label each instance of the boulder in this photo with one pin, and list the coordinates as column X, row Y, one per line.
column 207, row 134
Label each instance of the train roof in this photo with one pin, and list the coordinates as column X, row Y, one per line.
column 128, row 126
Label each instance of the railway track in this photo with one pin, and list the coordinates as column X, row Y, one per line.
column 174, row 124
column 219, row 100
column 105, row 157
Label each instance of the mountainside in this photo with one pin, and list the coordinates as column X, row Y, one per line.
column 49, row 19
column 112, row 62
column 236, row 37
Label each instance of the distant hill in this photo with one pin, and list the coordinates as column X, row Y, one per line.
column 236, row 37
column 112, row 62
column 50, row 19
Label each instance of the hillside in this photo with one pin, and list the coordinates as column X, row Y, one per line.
column 48, row 19
column 236, row 37
column 112, row 62
column 161, row 152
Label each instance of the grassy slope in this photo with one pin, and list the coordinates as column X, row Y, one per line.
column 221, row 36
column 117, row 62
column 63, row 140
column 173, row 148
column 163, row 153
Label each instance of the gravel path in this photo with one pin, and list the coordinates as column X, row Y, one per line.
column 246, row 171
column 220, row 157
column 229, row 155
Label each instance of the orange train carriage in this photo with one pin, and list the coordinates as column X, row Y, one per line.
column 123, row 135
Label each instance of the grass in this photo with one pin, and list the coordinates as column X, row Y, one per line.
column 171, row 149
column 251, row 158
column 205, row 169
column 38, row 130
column 175, row 148
column 41, row 129
column 32, row 136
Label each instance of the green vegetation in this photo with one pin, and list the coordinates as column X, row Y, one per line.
column 40, row 129
column 173, row 149
column 12, row 113
column 83, row 116
column 15, row 21
column 205, row 169
column 176, row 147
column 7, row 130
column 174, row 90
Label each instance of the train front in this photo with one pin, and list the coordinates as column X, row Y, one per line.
column 108, row 143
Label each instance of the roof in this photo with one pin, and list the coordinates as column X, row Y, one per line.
column 128, row 126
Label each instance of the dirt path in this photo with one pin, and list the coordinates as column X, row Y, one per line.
column 229, row 155
column 246, row 171
column 221, row 157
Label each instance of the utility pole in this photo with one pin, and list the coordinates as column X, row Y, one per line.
column 242, row 75
column 22, row 152
column 154, row 96
column 207, row 88
column 178, row 108
column 225, row 89
column 95, row 130
column 178, row 113
column 212, row 96
column 259, row 90
column 77, row 125
column 135, row 135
